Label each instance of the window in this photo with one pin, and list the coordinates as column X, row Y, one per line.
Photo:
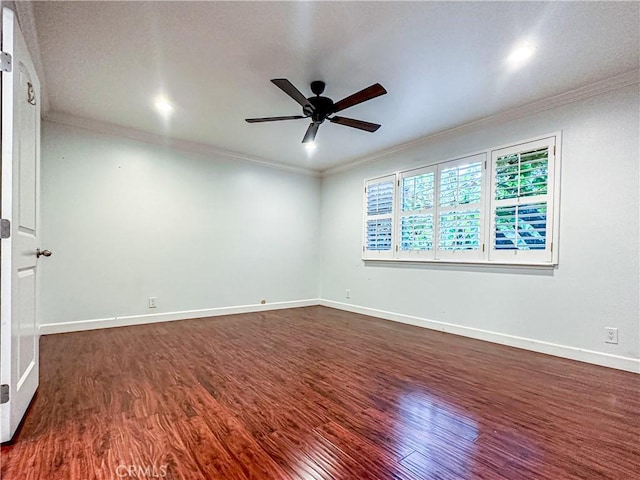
column 494, row 207
column 379, row 194
column 460, row 208
column 522, row 179
column 417, row 192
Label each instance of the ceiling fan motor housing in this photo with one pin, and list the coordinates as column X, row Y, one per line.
column 323, row 108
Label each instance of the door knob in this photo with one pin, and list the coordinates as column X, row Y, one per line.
column 46, row 253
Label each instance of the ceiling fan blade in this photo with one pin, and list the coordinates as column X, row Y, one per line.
column 287, row 87
column 310, row 136
column 273, row 119
column 351, row 122
column 368, row 93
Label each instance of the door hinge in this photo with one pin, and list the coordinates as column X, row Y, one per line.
column 5, row 228
column 483, row 247
column 554, row 149
column 5, row 62
column 4, row 393
column 552, row 246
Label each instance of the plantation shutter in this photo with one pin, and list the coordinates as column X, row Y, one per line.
column 417, row 205
column 378, row 229
column 460, row 208
column 521, row 202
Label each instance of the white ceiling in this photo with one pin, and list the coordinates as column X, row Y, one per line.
column 443, row 64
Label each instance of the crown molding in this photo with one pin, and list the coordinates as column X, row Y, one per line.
column 603, row 86
column 184, row 145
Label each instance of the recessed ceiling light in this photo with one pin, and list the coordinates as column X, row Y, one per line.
column 163, row 105
column 310, row 146
column 521, row 54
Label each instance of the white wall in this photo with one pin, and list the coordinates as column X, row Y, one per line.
column 127, row 220
column 596, row 283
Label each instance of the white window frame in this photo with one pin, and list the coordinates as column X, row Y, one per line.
column 486, row 255
column 415, row 254
column 442, row 254
column 379, row 254
column 544, row 256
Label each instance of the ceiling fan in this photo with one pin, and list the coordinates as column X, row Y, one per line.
column 320, row 108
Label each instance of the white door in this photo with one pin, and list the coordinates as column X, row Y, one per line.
column 20, row 196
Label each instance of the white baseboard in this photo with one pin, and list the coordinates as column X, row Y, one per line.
column 589, row 356
column 573, row 353
column 125, row 321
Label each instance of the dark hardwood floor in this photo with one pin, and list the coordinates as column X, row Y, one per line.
column 316, row 393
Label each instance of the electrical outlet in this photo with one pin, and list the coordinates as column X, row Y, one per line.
column 152, row 302
column 611, row 335
column 348, row 294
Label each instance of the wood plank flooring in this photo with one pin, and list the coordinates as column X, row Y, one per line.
column 317, row 393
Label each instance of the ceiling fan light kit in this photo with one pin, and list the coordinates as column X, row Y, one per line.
column 321, row 108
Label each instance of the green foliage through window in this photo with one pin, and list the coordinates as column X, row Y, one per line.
column 521, row 227
column 461, row 185
column 460, row 230
column 522, row 174
column 417, row 192
column 417, row 232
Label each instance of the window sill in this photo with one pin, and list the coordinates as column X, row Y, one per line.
column 544, row 265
